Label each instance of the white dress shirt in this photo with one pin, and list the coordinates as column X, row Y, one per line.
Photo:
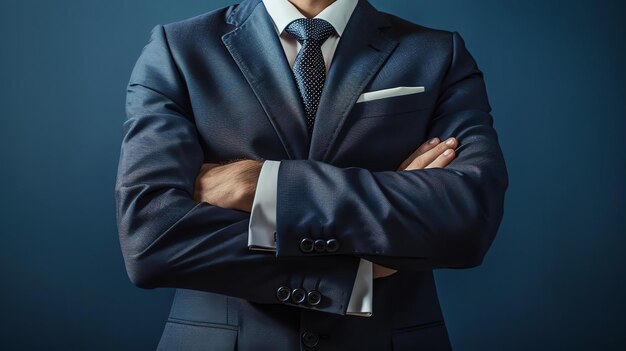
column 263, row 214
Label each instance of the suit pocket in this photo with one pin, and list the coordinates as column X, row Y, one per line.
column 195, row 336
column 394, row 105
column 431, row 336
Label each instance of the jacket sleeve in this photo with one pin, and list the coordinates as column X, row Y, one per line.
column 263, row 226
column 170, row 240
column 416, row 219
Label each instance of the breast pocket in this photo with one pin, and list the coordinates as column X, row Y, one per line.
column 394, row 105
column 380, row 134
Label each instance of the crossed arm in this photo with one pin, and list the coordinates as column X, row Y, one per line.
column 233, row 184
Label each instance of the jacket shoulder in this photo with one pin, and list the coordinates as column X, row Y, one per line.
column 190, row 28
column 403, row 28
column 431, row 42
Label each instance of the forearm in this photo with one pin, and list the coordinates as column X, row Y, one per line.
column 170, row 240
column 443, row 217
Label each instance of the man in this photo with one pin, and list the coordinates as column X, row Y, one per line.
column 296, row 170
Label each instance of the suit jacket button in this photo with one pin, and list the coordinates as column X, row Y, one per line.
column 320, row 245
column 298, row 295
column 306, row 245
column 313, row 297
column 332, row 245
column 310, row 339
column 283, row 293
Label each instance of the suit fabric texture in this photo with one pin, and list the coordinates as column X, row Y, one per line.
column 217, row 87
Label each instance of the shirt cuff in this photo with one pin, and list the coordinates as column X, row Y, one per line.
column 262, row 226
column 360, row 303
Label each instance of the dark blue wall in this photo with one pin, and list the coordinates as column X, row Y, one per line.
column 555, row 73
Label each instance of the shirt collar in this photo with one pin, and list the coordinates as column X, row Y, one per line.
column 337, row 14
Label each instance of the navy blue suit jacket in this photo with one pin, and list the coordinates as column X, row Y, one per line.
column 217, row 87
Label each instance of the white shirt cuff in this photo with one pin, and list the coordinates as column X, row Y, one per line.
column 262, row 227
column 362, row 292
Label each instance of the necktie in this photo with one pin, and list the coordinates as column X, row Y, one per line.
column 309, row 69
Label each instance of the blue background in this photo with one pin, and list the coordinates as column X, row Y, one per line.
column 555, row 73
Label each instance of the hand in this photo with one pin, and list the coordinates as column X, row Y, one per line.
column 430, row 154
column 230, row 185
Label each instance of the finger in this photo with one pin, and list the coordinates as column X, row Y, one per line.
column 429, row 156
column 443, row 160
column 382, row 271
column 420, row 150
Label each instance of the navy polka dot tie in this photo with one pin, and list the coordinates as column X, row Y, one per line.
column 309, row 68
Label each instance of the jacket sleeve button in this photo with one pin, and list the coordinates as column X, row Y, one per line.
column 298, row 295
column 332, row 245
column 320, row 245
column 306, row 245
column 313, row 297
column 310, row 339
column 283, row 293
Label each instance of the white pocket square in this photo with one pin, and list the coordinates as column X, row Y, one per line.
column 385, row 93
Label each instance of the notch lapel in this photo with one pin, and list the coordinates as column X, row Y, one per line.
column 360, row 53
column 256, row 48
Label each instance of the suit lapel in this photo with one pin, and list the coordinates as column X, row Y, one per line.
column 256, row 48
column 360, row 53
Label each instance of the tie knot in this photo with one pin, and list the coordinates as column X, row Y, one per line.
column 310, row 28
